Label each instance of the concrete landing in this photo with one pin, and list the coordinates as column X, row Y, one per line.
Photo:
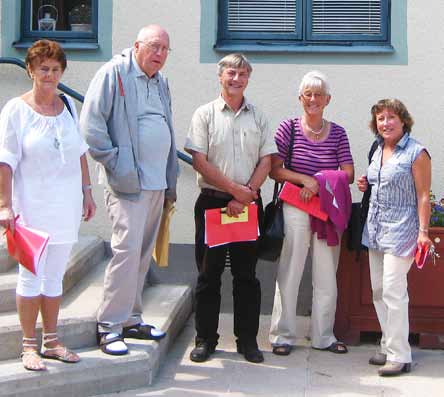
column 305, row 372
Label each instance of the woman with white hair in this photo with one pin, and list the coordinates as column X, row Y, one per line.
column 317, row 145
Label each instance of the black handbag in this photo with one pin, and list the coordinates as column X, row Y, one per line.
column 359, row 214
column 272, row 234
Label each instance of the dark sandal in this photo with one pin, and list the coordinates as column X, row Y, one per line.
column 282, row 350
column 337, row 348
column 106, row 344
column 143, row 331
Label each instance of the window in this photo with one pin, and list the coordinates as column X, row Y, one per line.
column 62, row 20
column 279, row 25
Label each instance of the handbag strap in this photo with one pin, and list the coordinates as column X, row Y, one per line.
column 287, row 161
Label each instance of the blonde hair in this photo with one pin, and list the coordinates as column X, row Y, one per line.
column 235, row 61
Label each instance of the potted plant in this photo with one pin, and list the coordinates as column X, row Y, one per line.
column 80, row 18
column 437, row 213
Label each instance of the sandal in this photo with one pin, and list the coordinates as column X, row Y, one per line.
column 282, row 350
column 30, row 358
column 113, row 344
column 143, row 331
column 336, row 347
column 59, row 352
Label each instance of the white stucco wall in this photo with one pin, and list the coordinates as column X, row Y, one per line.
column 355, row 88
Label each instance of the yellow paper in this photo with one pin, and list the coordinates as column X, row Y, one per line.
column 161, row 250
column 242, row 217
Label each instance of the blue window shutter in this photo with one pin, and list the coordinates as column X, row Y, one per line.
column 347, row 20
column 262, row 19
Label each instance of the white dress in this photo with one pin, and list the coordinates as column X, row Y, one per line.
column 44, row 154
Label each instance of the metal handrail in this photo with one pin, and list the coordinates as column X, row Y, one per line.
column 74, row 94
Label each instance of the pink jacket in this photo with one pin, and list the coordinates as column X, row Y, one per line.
column 335, row 197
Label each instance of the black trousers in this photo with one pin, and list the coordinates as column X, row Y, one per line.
column 211, row 264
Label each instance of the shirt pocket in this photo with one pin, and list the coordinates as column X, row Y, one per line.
column 250, row 140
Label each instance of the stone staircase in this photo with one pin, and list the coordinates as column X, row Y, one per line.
column 165, row 305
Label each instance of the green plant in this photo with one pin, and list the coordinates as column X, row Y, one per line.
column 437, row 213
column 80, row 14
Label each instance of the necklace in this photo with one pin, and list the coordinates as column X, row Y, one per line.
column 316, row 133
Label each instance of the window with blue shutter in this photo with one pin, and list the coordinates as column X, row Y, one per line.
column 280, row 23
column 61, row 20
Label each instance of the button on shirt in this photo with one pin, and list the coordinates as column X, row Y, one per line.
column 392, row 223
column 233, row 141
column 153, row 130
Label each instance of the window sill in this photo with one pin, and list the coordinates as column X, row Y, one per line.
column 66, row 45
column 264, row 47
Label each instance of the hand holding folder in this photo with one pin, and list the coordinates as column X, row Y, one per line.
column 26, row 245
column 221, row 229
column 290, row 194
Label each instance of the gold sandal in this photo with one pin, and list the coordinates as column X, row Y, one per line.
column 27, row 356
column 61, row 353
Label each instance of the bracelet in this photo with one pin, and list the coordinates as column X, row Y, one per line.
column 424, row 229
column 86, row 187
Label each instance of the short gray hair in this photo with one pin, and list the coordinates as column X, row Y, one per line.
column 314, row 80
column 235, row 61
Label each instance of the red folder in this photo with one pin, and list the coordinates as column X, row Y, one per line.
column 26, row 245
column 217, row 233
column 290, row 194
column 421, row 255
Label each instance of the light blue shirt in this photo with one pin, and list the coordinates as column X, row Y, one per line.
column 392, row 222
column 154, row 133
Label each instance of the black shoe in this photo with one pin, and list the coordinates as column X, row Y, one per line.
column 378, row 359
column 201, row 352
column 250, row 352
column 143, row 331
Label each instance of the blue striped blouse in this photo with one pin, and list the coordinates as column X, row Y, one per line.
column 392, row 222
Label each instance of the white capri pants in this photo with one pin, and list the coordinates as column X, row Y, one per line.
column 388, row 274
column 49, row 278
column 299, row 239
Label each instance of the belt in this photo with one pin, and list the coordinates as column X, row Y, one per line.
column 216, row 194
column 220, row 195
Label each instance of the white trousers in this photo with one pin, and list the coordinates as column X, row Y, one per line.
column 299, row 239
column 49, row 278
column 388, row 274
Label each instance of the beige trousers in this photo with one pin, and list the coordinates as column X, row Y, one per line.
column 388, row 275
column 134, row 230
column 299, row 240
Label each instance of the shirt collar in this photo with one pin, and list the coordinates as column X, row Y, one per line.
column 401, row 143
column 139, row 72
column 222, row 105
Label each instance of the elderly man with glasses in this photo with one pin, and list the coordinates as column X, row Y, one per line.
column 127, row 122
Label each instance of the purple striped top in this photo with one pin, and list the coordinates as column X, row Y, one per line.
column 311, row 157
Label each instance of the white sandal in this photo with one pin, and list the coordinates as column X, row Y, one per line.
column 27, row 355
column 64, row 354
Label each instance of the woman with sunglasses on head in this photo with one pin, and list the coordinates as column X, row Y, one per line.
column 318, row 145
column 44, row 180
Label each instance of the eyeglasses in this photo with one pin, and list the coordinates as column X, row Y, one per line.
column 315, row 95
column 155, row 47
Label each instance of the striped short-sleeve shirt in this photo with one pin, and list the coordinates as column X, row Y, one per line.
column 392, row 222
column 309, row 157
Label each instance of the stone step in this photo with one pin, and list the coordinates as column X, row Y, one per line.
column 6, row 262
column 86, row 253
column 166, row 306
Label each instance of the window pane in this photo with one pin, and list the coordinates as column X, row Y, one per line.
column 261, row 15
column 346, row 17
column 61, row 15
